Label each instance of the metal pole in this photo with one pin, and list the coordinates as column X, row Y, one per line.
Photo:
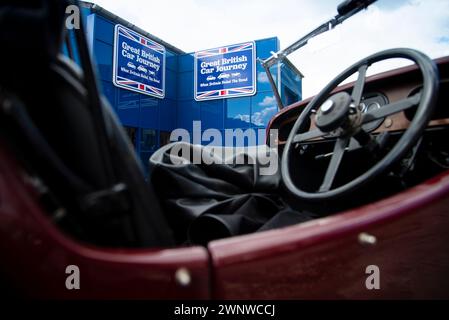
column 273, row 87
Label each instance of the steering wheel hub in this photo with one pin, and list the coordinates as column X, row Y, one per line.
column 334, row 112
column 327, row 106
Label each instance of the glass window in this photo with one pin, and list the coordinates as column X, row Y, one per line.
column 172, row 60
column 127, row 99
column 185, row 85
column 263, row 84
column 148, row 141
column 291, row 84
column 170, row 85
column 148, row 101
column 186, row 62
column 237, row 112
column 103, row 58
column 212, row 114
column 167, row 115
column 188, row 111
column 289, row 97
column 104, row 30
column 263, row 108
column 164, row 138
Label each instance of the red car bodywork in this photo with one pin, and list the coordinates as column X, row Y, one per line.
column 323, row 258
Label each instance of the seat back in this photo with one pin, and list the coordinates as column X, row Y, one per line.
column 54, row 130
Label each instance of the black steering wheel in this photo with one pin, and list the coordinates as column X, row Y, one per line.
column 340, row 116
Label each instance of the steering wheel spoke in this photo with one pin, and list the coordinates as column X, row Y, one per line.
column 312, row 134
column 334, row 164
column 392, row 108
column 359, row 84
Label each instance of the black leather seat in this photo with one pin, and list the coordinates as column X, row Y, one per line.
column 92, row 174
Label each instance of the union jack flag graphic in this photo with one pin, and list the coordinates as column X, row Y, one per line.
column 225, row 93
column 248, row 87
column 131, row 35
column 228, row 49
column 141, row 87
column 121, row 80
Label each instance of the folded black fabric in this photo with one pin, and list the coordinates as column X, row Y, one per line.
column 207, row 202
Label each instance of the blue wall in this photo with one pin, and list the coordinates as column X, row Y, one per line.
column 152, row 119
column 150, row 116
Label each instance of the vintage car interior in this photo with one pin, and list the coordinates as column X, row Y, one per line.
column 349, row 146
column 390, row 129
column 392, row 101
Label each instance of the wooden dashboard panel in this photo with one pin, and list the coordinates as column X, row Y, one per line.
column 394, row 85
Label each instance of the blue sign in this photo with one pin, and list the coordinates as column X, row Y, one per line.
column 225, row 72
column 139, row 63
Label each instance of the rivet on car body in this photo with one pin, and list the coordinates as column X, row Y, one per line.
column 367, row 239
column 183, row 277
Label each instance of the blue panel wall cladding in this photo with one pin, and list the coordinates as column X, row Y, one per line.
column 179, row 109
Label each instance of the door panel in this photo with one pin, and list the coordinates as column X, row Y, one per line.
column 325, row 258
column 34, row 255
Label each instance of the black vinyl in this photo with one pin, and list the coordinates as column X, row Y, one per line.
column 207, row 202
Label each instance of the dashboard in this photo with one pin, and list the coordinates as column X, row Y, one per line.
column 380, row 90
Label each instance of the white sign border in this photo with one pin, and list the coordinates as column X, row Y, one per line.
column 114, row 65
column 236, row 95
